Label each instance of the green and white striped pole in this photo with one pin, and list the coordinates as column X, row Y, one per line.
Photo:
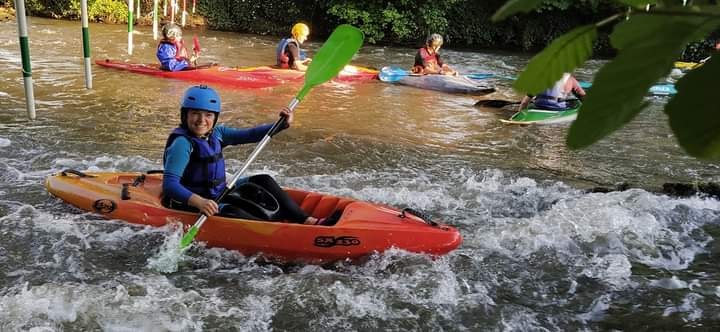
column 184, row 13
column 86, row 43
column 130, row 25
column 173, row 8
column 155, row 19
column 25, row 54
column 138, row 9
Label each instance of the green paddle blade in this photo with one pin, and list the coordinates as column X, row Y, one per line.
column 188, row 238
column 332, row 57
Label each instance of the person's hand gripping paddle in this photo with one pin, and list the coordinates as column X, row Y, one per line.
column 329, row 60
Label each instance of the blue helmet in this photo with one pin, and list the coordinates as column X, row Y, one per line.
column 199, row 97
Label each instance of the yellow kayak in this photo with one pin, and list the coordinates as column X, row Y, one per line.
column 687, row 65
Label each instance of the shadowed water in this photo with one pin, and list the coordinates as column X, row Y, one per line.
column 539, row 253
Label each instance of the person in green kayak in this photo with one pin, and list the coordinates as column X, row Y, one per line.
column 171, row 51
column 427, row 58
column 288, row 52
column 558, row 97
column 194, row 167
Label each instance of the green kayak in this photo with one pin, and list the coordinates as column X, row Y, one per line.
column 532, row 115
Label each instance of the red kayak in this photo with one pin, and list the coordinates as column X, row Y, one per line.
column 212, row 75
column 239, row 78
column 363, row 228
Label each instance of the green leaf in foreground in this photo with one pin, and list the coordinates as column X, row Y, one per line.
column 565, row 54
column 648, row 47
column 513, row 7
column 695, row 113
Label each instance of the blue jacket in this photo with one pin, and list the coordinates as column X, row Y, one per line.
column 205, row 171
column 184, row 161
column 167, row 55
column 284, row 57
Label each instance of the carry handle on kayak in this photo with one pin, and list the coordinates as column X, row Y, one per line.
column 330, row 59
column 422, row 215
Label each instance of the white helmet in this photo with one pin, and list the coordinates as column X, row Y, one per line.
column 171, row 30
column 434, row 38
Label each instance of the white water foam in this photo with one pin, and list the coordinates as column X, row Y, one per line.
column 107, row 164
column 170, row 254
column 620, row 222
column 689, row 307
column 670, row 283
column 598, row 309
column 613, row 269
column 130, row 303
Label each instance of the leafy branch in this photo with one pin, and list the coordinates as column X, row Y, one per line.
column 648, row 43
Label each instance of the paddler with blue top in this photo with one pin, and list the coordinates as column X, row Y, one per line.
column 558, row 97
column 171, row 51
column 288, row 52
column 194, row 167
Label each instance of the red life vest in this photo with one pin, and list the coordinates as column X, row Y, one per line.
column 429, row 59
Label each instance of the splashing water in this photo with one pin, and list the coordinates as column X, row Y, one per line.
column 170, row 255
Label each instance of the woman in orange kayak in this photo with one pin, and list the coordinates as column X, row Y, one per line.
column 171, row 52
column 556, row 98
column 427, row 59
column 194, row 168
column 288, row 52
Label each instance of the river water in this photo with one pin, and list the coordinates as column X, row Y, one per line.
column 539, row 253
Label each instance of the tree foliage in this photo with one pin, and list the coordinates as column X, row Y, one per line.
column 463, row 23
column 649, row 40
column 401, row 20
column 111, row 11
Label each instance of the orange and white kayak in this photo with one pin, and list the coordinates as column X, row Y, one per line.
column 348, row 74
column 363, row 229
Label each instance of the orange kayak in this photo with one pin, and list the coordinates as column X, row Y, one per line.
column 349, row 74
column 363, row 229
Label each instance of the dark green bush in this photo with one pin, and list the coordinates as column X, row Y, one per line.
column 111, row 11
column 464, row 23
column 261, row 17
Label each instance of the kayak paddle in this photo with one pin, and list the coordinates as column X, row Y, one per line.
column 393, row 74
column 495, row 103
column 330, row 59
column 196, row 48
column 660, row 89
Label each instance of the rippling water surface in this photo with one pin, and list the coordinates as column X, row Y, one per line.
column 539, row 253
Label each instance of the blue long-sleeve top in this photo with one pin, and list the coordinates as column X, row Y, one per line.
column 166, row 54
column 177, row 156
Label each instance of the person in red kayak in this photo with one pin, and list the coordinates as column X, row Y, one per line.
column 288, row 52
column 427, row 59
column 171, row 52
column 558, row 97
column 194, row 167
